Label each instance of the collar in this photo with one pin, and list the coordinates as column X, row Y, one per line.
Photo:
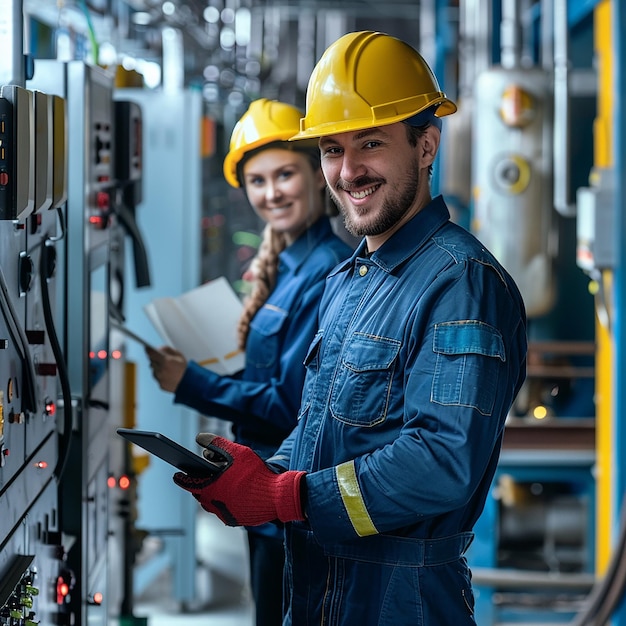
column 406, row 241
column 293, row 256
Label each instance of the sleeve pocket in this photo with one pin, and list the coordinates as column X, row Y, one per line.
column 469, row 355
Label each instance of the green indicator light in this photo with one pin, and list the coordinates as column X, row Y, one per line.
column 242, row 238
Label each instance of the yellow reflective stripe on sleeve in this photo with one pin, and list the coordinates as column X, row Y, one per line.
column 353, row 500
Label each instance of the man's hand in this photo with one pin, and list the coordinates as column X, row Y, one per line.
column 168, row 367
column 247, row 493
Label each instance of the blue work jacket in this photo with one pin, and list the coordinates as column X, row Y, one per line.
column 262, row 401
column 418, row 357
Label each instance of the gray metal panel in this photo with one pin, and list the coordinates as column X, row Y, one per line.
column 169, row 219
column 88, row 94
column 12, row 242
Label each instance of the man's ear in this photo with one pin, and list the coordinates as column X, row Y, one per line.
column 429, row 143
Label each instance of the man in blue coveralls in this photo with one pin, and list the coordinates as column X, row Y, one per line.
column 419, row 354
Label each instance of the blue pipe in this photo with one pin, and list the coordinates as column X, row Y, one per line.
column 618, row 9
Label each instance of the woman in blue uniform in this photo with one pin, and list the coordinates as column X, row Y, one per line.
column 285, row 186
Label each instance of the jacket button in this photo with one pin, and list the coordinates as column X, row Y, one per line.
column 363, row 270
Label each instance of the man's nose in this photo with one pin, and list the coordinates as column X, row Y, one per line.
column 352, row 167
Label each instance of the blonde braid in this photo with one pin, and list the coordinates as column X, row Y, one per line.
column 264, row 268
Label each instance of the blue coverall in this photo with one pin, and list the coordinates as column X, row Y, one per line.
column 420, row 352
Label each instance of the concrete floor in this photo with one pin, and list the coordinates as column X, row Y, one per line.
column 225, row 576
column 220, row 616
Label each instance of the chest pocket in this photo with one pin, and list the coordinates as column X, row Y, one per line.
column 265, row 337
column 469, row 356
column 360, row 391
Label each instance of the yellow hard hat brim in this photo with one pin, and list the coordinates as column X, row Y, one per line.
column 444, row 107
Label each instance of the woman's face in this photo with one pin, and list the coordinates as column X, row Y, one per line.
column 284, row 190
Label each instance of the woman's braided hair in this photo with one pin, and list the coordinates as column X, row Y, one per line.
column 263, row 268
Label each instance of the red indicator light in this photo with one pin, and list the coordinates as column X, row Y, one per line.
column 102, row 200
column 124, row 482
column 51, row 408
column 63, row 590
column 6, row 451
column 41, row 464
column 116, row 354
column 92, row 354
column 4, row 178
column 97, row 597
column 102, row 354
column 111, row 482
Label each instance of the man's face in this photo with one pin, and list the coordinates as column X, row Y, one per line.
column 374, row 177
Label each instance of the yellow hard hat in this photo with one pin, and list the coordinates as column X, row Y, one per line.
column 367, row 79
column 264, row 122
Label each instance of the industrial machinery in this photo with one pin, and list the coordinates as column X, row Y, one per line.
column 525, row 91
column 512, row 162
column 62, row 245
column 103, row 182
column 29, row 410
column 36, row 580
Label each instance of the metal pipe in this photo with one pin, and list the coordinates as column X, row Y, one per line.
column 521, row 579
column 547, row 28
column 619, row 145
column 12, row 70
column 482, row 31
column 561, row 143
column 510, row 34
column 427, row 30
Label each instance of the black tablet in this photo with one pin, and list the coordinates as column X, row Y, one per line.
column 173, row 453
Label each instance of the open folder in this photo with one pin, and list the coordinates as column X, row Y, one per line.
column 202, row 324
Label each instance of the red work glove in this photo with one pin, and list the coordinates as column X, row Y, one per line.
column 247, row 493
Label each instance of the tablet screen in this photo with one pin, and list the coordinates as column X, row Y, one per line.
column 173, row 453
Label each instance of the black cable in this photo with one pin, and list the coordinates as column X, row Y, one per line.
column 618, row 577
column 61, row 224
column 45, row 272
column 606, row 594
column 29, row 396
column 140, row 255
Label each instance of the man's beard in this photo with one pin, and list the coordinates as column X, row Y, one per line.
column 393, row 209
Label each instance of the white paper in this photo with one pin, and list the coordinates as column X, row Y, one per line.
column 202, row 324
